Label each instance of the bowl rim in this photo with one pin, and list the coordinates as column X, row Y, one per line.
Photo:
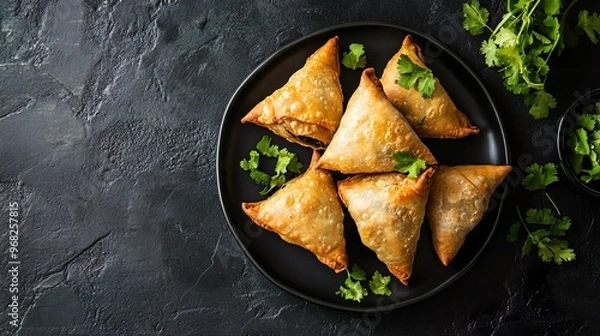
column 566, row 125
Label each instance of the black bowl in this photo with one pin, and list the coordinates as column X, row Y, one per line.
column 566, row 125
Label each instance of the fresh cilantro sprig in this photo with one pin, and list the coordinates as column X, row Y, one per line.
column 355, row 58
column 539, row 177
column 520, row 45
column 352, row 289
column 549, row 226
column 408, row 164
column 412, row 75
column 286, row 161
column 550, row 248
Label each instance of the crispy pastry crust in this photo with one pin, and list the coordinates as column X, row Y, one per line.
column 370, row 132
column 306, row 212
column 308, row 108
column 434, row 117
column 388, row 210
column 459, row 198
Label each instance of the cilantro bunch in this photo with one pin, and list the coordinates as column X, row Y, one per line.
column 520, row 45
column 286, row 161
column 584, row 143
column 352, row 288
column 543, row 228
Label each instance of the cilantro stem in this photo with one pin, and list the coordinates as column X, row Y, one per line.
column 552, row 202
column 522, row 221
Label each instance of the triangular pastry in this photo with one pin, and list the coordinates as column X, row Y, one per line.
column 458, row 200
column 433, row 117
column 370, row 132
column 388, row 210
column 307, row 109
column 306, row 212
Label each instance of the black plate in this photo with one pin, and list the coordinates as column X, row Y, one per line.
column 297, row 270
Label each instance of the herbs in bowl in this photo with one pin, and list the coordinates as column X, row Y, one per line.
column 579, row 143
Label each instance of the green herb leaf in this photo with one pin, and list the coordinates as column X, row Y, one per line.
column 540, row 216
column 353, row 290
column 587, row 121
column 411, row 75
column 581, row 142
column 408, row 164
column 265, row 148
column 356, row 58
column 357, row 273
column 539, row 177
column 286, row 161
column 541, row 103
column 252, row 162
column 475, row 17
column 513, row 232
column 590, row 23
column 489, row 49
column 379, row 284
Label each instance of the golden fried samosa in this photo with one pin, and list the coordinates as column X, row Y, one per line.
column 458, row 200
column 306, row 212
column 433, row 117
column 370, row 132
column 388, row 210
column 307, row 109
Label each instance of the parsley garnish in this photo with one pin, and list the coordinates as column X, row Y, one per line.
column 286, row 161
column 550, row 248
column 356, row 58
column 410, row 74
column 408, row 164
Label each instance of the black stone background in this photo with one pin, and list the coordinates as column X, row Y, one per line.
column 109, row 118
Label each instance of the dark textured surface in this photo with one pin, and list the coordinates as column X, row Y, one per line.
column 109, row 117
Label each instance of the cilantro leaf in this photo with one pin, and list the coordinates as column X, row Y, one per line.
column 540, row 103
column 539, row 177
column 555, row 250
column 560, row 227
column 551, row 7
column 587, row 121
column 357, row 273
column 352, row 290
column 540, row 216
column 506, row 38
column 513, row 232
column 355, row 58
column 411, row 74
column 489, row 49
column 590, row 23
column 475, row 17
column 379, row 284
column 580, row 141
column 265, row 148
column 408, row 164
column 252, row 162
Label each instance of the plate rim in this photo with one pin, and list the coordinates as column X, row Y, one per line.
column 264, row 64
